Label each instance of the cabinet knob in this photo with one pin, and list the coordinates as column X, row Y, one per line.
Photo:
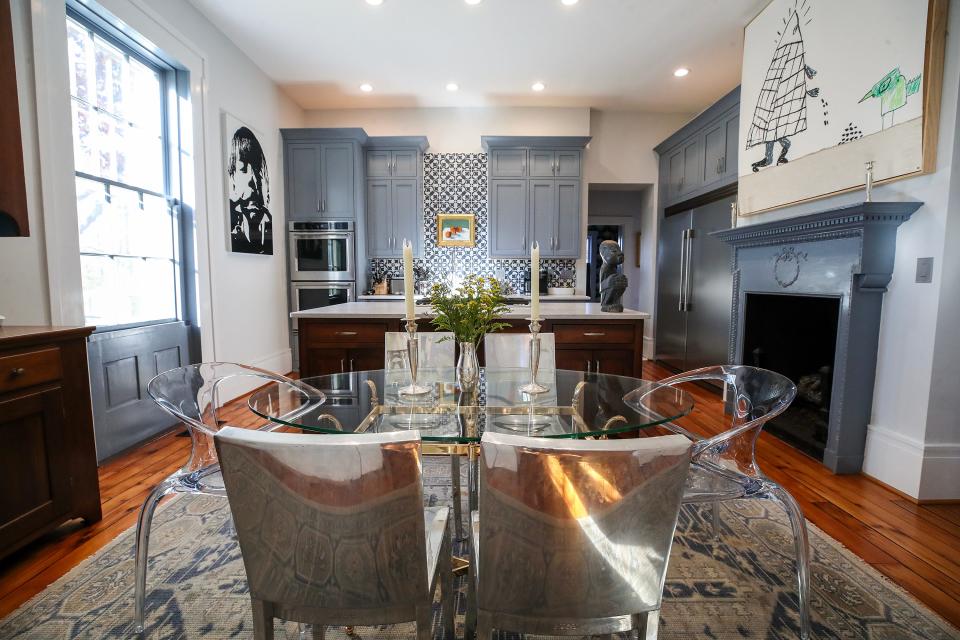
column 17, row 372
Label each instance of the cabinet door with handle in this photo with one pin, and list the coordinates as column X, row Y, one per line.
column 674, row 175
column 378, row 163
column 508, row 163
column 729, row 162
column 566, row 243
column 692, row 159
column 543, row 214
column 714, row 148
column 542, row 163
column 379, row 219
column 303, row 180
column 405, row 163
column 568, row 164
column 671, row 325
column 365, row 358
column 613, row 362
column 337, row 180
column 575, row 359
column 406, row 215
column 507, row 234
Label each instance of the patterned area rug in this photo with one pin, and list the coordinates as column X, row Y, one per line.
column 738, row 586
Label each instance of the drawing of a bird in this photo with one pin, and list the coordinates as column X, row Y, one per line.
column 893, row 90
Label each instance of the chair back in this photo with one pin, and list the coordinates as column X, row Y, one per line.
column 575, row 529
column 753, row 396
column 435, row 350
column 329, row 524
column 512, row 351
column 196, row 392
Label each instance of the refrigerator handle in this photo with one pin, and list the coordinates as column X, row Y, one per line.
column 687, row 274
column 683, row 269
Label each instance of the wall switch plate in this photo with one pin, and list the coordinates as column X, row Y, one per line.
column 925, row 270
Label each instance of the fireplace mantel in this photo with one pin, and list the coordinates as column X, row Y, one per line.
column 845, row 252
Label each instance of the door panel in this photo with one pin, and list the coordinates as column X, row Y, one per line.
column 122, row 363
column 711, row 287
column 405, row 164
column 508, row 163
column 365, row 358
column 508, row 218
column 568, row 164
column 337, row 175
column 675, row 184
column 714, row 146
column 303, row 176
column 406, row 218
column 543, row 214
column 542, row 163
column 732, row 145
column 379, row 220
column 378, row 164
column 574, row 359
column 692, row 159
column 567, row 243
column 671, row 329
column 614, row 362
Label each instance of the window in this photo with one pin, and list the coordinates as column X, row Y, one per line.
column 129, row 232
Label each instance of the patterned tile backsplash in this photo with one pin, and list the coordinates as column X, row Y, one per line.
column 457, row 183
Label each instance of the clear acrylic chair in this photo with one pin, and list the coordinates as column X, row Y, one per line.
column 512, row 351
column 192, row 394
column 333, row 530
column 725, row 466
column 573, row 536
column 435, row 350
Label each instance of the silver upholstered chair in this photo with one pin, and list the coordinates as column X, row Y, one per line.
column 512, row 351
column 333, row 531
column 573, row 537
column 192, row 394
column 724, row 467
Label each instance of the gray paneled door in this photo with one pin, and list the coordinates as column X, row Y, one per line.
column 121, row 364
column 671, row 321
column 508, row 211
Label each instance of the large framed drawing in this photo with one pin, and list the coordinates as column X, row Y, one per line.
column 829, row 86
column 247, row 176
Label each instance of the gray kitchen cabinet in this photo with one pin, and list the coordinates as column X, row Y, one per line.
column 322, row 170
column 543, row 212
column 406, row 163
column 378, row 163
column 568, row 164
column 702, row 156
column 507, row 232
column 508, row 163
column 379, row 220
column 404, row 200
column 542, row 163
column 303, row 179
column 566, row 242
column 392, row 163
column 337, row 177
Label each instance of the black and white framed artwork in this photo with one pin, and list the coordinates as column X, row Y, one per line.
column 248, row 189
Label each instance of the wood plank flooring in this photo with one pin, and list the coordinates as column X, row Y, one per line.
column 913, row 545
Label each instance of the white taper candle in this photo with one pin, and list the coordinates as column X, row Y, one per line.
column 408, row 278
column 535, row 281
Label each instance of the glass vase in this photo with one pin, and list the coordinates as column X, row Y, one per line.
column 468, row 367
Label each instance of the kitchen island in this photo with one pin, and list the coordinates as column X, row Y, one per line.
column 350, row 337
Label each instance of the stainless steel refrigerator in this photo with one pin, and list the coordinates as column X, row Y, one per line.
column 694, row 287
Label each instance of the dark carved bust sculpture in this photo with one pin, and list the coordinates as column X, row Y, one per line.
column 612, row 283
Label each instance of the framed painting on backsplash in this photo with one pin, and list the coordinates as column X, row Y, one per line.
column 456, row 230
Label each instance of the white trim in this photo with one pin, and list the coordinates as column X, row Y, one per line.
column 926, row 471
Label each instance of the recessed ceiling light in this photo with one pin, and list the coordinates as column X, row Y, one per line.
column 374, row 3
column 538, row 86
column 366, row 87
column 473, row 1
column 569, row 3
column 453, row 86
column 682, row 71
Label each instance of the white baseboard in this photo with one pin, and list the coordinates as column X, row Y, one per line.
column 924, row 471
column 648, row 351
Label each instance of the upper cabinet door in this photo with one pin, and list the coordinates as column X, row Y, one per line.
column 692, row 159
column 568, row 164
column 508, row 163
column 405, row 163
column 543, row 213
column 378, row 163
column 714, row 147
column 303, row 180
column 337, row 180
column 507, row 233
column 379, row 220
column 406, row 215
column 543, row 163
column 675, row 176
column 729, row 162
column 566, row 243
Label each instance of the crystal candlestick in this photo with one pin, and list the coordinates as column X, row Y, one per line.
column 533, row 387
column 413, row 389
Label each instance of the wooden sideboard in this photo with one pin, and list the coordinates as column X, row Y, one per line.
column 335, row 345
column 48, row 462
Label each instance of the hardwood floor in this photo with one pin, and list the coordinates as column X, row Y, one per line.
column 915, row 546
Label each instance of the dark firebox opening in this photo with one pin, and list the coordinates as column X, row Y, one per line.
column 797, row 337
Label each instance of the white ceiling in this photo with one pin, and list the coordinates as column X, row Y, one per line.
column 598, row 53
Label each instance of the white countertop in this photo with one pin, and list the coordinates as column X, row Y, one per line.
column 395, row 309
column 546, row 298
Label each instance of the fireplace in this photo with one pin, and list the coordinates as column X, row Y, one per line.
column 796, row 336
column 807, row 296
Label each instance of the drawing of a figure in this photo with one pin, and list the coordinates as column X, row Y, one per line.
column 893, row 91
column 781, row 110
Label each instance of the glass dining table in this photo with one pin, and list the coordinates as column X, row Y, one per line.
column 452, row 421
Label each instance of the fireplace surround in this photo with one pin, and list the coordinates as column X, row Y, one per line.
column 846, row 253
